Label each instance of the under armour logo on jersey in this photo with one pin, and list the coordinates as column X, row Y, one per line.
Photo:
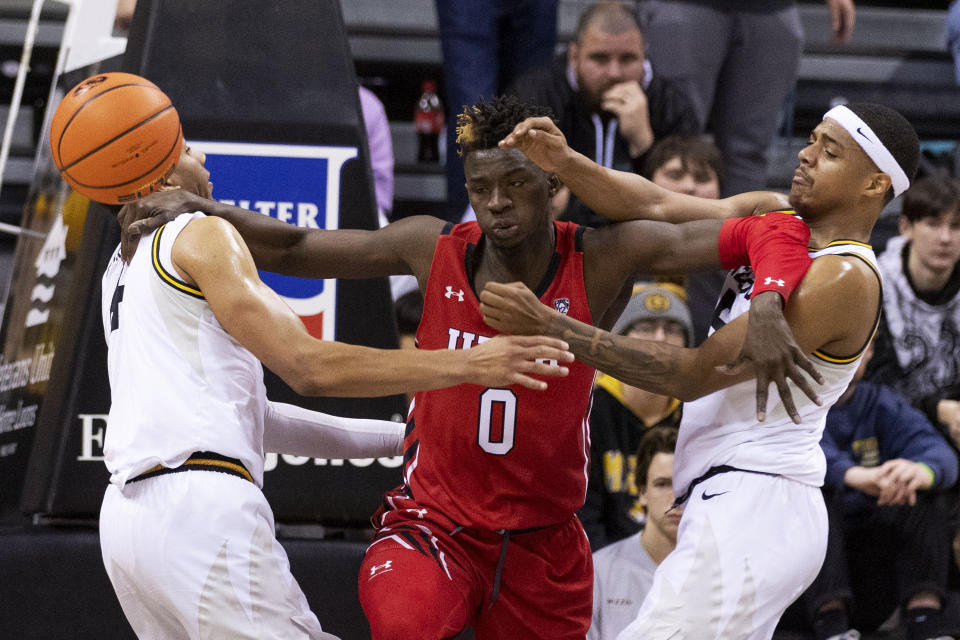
column 378, row 569
column 451, row 293
column 562, row 305
column 420, row 512
column 770, row 281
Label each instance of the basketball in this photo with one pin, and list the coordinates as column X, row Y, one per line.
column 115, row 137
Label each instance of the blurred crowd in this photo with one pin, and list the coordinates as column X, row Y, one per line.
column 689, row 95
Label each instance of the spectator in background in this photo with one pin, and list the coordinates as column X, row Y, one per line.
column 685, row 164
column 620, row 416
column 486, row 44
column 123, row 16
column 409, row 310
column 888, row 542
column 381, row 151
column 380, row 148
column 918, row 342
column 623, row 571
column 953, row 36
column 737, row 60
column 692, row 165
column 605, row 96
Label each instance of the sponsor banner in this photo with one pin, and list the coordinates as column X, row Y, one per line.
column 296, row 184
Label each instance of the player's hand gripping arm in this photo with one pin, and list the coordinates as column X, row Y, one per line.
column 775, row 243
column 211, row 254
column 401, row 248
column 297, row 431
column 620, row 195
column 832, row 308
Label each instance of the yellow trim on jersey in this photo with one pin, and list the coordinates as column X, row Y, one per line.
column 165, row 275
column 207, row 462
column 835, row 243
column 828, row 358
column 789, row 212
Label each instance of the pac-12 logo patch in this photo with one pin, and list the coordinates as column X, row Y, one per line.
column 562, row 305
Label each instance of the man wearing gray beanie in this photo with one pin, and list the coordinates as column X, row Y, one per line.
column 621, row 414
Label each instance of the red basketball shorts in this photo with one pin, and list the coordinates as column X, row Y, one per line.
column 425, row 578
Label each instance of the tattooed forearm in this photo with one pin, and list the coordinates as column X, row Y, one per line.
column 640, row 363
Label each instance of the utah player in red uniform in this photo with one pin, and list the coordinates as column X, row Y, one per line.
column 482, row 531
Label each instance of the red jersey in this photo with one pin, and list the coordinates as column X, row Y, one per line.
column 499, row 458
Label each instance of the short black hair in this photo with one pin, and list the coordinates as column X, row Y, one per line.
column 409, row 310
column 695, row 152
column 895, row 132
column 931, row 197
column 612, row 17
column 659, row 439
column 486, row 123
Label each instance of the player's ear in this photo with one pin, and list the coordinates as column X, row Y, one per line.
column 642, row 496
column 878, row 184
column 555, row 184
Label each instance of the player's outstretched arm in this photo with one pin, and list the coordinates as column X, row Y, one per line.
column 833, row 308
column 402, row 248
column 775, row 245
column 210, row 254
column 293, row 430
column 620, row 195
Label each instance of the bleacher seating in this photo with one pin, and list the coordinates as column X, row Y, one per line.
column 897, row 56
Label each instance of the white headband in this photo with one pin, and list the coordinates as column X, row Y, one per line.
column 870, row 143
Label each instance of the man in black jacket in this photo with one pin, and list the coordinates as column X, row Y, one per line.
column 605, row 96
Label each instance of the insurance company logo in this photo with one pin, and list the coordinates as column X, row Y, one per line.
column 53, row 252
column 297, row 184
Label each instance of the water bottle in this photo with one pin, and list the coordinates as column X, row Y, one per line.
column 428, row 119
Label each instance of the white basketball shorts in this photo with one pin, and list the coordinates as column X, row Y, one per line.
column 193, row 555
column 748, row 546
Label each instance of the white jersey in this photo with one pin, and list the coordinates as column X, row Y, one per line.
column 179, row 383
column 722, row 429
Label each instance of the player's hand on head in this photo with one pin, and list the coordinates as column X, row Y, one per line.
column 771, row 349
column 513, row 308
column 151, row 212
column 507, row 360
column 540, row 140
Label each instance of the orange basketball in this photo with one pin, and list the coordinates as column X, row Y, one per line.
column 115, row 137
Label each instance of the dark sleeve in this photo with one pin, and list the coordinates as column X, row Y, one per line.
column 676, row 117
column 905, row 432
column 591, row 513
column 928, row 405
column 671, row 114
column 839, row 458
column 884, row 366
column 546, row 87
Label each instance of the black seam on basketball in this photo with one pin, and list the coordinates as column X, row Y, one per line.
column 118, row 136
column 131, row 180
column 92, row 98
